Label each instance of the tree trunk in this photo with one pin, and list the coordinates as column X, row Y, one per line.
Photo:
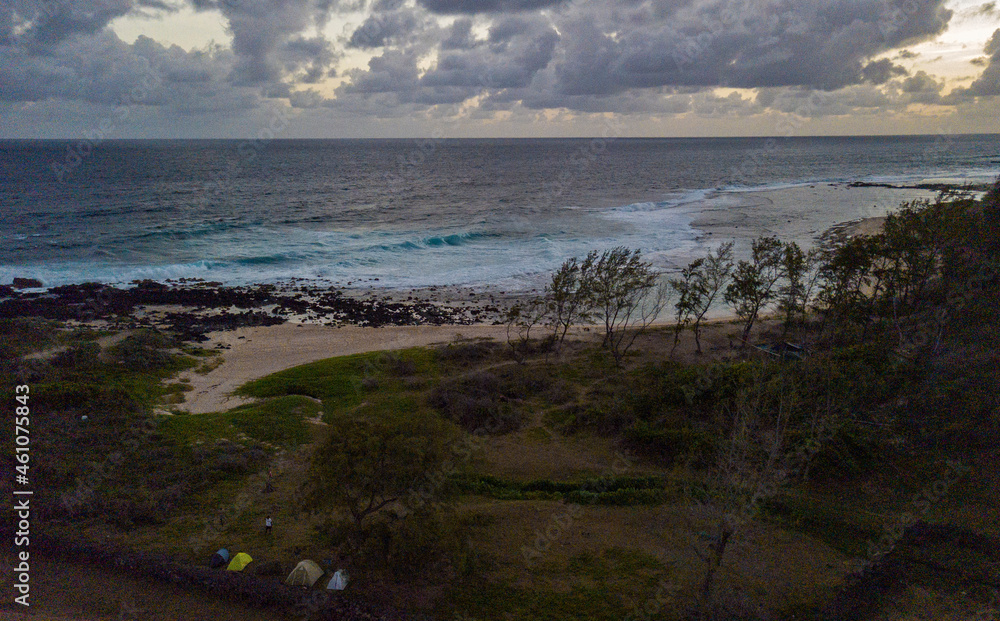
column 718, row 551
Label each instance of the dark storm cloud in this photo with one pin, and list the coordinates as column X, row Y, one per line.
column 64, row 52
column 262, row 32
column 486, row 6
column 460, row 36
column 921, row 88
column 739, row 44
column 593, row 56
column 587, row 55
column 105, row 71
column 260, row 28
column 393, row 71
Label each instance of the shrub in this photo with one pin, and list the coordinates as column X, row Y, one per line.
column 84, row 355
column 143, row 351
column 671, row 446
column 484, row 401
column 466, row 353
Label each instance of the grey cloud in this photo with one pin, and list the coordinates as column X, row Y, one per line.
column 988, row 82
column 739, row 44
column 628, row 56
column 600, row 50
column 486, row 6
column 306, row 99
column 308, row 60
column 387, row 5
column 104, row 71
column 53, row 22
column 921, row 88
column 881, row 71
column 517, row 50
column 460, row 36
column 262, row 30
column 381, row 29
column 159, row 5
column 510, row 27
column 62, row 50
column 391, row 72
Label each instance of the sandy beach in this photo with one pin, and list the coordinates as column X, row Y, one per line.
column 250, row 353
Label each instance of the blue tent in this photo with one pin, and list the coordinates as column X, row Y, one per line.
column 219, row 559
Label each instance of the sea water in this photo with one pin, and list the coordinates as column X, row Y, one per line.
column 417, row 213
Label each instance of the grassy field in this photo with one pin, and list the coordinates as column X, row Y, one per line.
column 557, row 517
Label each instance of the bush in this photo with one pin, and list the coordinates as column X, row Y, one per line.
column 466, row 353
column 82, row 356
column 671, row 446
column 484, row 401
column 143, row 351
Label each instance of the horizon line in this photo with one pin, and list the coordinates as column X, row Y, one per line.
column 523, row 138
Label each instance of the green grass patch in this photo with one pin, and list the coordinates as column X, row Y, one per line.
column 345, row 381
column 278, row 421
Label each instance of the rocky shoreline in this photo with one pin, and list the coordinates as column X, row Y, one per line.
column 192, row 308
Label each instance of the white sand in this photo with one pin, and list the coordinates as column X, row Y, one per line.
column 256, row 352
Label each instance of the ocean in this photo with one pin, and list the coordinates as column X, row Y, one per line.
column 419, row 213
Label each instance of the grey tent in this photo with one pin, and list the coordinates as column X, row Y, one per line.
column 219, row 559
column 338, row 582
column 306, row 573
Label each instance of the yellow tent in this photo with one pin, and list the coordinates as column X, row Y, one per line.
column 305, row 573
column 239, row 561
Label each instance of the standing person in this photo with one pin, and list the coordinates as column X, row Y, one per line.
column 267, row 525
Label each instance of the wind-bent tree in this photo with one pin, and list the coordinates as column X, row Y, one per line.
column 687, row 298
column 369, row 463
column 800, row 279
column 849, row 275
column 567, row 296
column 522, row 318
column 699, row 287
column 716, row 272
column 755, row 282
column 991, row 220
column 912, row 244
column 625, row 293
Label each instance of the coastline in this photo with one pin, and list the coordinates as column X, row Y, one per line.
column 264, row 329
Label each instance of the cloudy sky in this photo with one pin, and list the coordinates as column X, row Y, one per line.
column 388, row 68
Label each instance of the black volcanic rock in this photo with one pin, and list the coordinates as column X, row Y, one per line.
column 26, row 283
